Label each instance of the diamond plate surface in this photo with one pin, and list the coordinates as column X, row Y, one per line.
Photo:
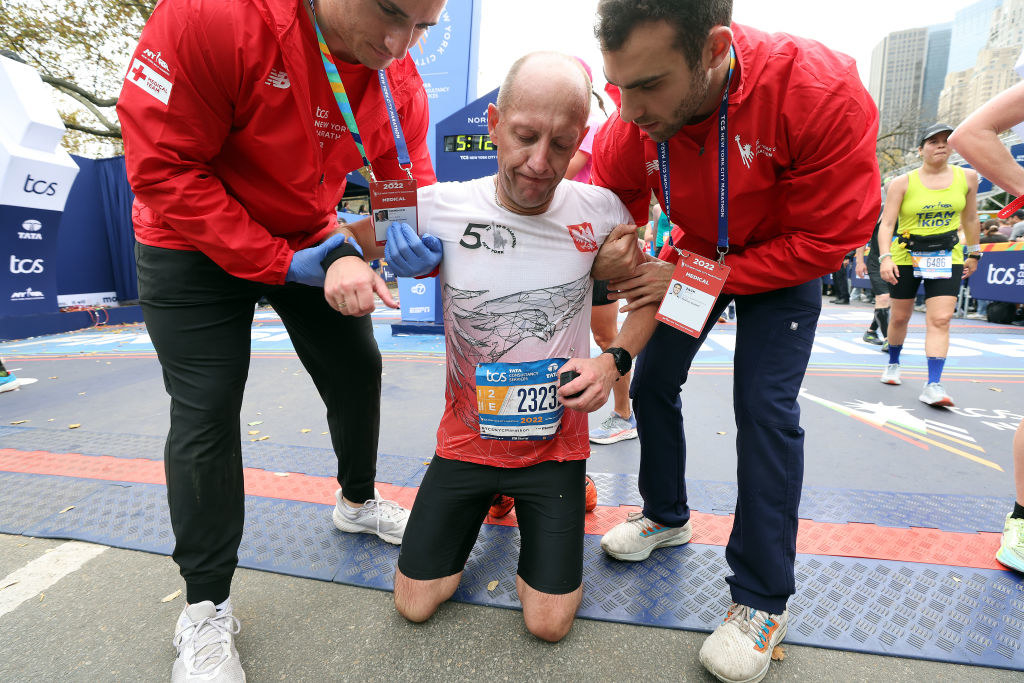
column 289, row 538
column 27, row 498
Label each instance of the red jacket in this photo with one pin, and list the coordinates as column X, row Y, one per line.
column 803, row 179
column 233, row 140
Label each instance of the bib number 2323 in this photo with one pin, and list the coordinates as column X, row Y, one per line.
column 518, row 401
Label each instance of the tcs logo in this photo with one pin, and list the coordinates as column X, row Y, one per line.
column 36, row 186
column 22, row 266
column 1001, row 276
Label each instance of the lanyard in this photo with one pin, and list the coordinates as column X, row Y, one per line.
column 341, row 96
column 723, row 168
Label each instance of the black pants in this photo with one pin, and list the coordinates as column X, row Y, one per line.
column 199, row 319
column 841, row 283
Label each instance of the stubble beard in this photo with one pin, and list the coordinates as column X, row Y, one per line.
column 689, row 106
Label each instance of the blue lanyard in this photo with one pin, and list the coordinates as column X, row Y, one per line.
column 338, row 88
column 723, row 168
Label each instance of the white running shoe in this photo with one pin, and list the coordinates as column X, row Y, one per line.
column 740, row 650
column 934, row 395
column 891, row 374
column 634, row 539
column 1011, row 550
column 386, row 518
column 205, row 641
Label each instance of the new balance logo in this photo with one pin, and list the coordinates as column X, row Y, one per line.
column 278, row 79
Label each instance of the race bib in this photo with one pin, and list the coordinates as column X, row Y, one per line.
column 933, row 265
column 518, row 401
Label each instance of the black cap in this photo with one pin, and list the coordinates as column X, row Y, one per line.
column 933, row 129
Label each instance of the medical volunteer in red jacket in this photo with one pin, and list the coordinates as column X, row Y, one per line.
column 237, row 150
column 800, row 184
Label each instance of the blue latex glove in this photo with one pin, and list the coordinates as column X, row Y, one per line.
column 305, row 267
column 407, row 254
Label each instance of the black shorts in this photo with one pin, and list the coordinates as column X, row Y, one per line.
column 600, row 295
column 453, row 500
column 878, row 285
column 907, row 285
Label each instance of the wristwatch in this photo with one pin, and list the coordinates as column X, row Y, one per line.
column 623, row 361
column 975, row 255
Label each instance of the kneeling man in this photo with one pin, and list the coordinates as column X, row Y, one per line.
column 519, row 254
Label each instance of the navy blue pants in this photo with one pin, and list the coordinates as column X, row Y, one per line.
column 774, row 333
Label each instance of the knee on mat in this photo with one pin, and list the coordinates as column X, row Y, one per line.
column 549, row 626
column 414, row 608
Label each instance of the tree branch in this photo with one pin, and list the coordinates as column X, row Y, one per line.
column 72, row 89
column 109, row 125
column 92, row 131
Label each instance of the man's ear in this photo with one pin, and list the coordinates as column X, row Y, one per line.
column 716, row 47
column 492, row 120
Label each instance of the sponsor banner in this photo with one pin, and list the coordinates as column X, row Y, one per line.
column 35, row 180
column 1000, row 276
column 420, row 300
column 28, row 253
column 88, row 299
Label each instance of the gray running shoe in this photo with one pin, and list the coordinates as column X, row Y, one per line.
column 385, row 518
column 634, row 539
column 740, row 649
column 891, row 374
column 205, row 641
column 934, row 395
column 614, row 429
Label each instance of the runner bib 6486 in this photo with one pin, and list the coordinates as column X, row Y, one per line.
column 518, row 401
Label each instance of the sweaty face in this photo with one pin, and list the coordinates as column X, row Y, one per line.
column 536, row 137
column 375, row 32
column 660, row 92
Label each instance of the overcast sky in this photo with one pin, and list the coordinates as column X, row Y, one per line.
column 511, row 28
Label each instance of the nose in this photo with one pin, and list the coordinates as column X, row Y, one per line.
column 537, row 162
column 398, row 40
column 631, row 108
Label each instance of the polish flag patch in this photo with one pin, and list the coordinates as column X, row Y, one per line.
column 150, row 80
column 583, row 236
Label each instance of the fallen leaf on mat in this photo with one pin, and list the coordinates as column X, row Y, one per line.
column 261, row 438
column 41, row 596
column 69, row 507
column 257, row 422
column 997, row 389
column 253, row 432
column 426, row 462
column 322, row 433
column 492, row 585
column 82, row 393
column 54, row 377
column 168, row 598
column 19, row 422
column 305, row 431
column 721, row 433
column 778, row 654
column 74, row 426
column 51, row 419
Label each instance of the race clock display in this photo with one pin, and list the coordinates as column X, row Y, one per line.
column 468, row 142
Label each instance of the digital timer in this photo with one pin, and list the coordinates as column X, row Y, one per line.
column 471, row 142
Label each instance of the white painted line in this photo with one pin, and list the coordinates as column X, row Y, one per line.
column 44, row 571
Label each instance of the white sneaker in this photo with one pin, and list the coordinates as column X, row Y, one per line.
column 1011, row 550
column 386, row 518
column 205, row 641
column 891, row 374
column 634, row 539
column 740, row 650
column 934, row 395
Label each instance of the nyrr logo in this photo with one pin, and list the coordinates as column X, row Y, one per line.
column 31, row 228
column 25, row 266
column 28, row 295
column 37, row 186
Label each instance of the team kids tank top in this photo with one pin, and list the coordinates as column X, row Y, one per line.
column 930, row 212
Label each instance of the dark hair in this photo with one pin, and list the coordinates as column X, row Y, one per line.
column 691, row 19
column 989, row 224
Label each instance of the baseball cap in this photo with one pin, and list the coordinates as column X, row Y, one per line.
column 934, row 129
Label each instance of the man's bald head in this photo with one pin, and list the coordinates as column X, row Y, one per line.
column 553, row 72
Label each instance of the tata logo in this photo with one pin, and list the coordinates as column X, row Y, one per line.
column 1001, row 276
column 36, row 186
column 31, row 229
column 24, row 266
column 28, row 295
column 419, row 288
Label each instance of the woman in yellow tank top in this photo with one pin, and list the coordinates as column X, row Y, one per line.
column 932, row 204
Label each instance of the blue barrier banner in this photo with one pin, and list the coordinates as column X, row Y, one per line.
column 28, row 243
column 1000, row 274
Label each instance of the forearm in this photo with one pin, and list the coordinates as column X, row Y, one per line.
column 362, row 231
column 637, row 329
column 983, row 149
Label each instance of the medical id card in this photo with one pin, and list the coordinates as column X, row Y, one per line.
column 933, row 265
column 392, row 201
column 695, row 286
column 519, row 401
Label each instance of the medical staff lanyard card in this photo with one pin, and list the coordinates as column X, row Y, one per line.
column 519, row 401
column 695, row 286
column 392, row 201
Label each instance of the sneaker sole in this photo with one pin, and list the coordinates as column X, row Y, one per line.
column 892, row 382
column 946, row 402
column 640, row 555
column 615, row 438
column 9, row 386
column 760, row 674
column 1008, row 561
column 343, row 524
